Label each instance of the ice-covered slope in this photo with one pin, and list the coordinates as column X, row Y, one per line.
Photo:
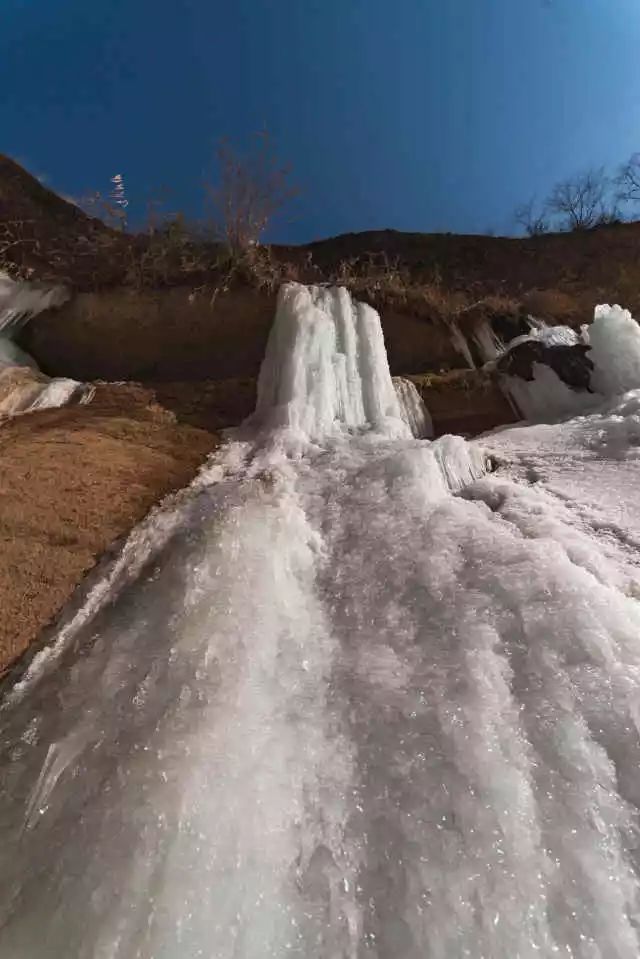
column 346, row 697
column 589, row 465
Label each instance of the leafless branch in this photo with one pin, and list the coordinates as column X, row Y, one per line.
column 581, row 201
column 250, row 191
column 533, row 221
column 628, row 180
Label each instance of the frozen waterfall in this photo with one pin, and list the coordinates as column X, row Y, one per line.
column 343, row 698
column 326, row 367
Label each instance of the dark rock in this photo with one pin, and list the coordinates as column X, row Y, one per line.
column 570, row 363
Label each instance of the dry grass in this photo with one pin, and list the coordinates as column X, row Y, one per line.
column 492, row 307
column 626, row 289
column 551, row 305
column 385, row 282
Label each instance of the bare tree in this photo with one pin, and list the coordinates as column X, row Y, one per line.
column 533, row 221
column 628, row 180
column 251, row 189
column 581, row 201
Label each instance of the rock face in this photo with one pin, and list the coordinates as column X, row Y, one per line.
column 156, row 335
column 172, row 335
column 570, row 363
column 464, row 401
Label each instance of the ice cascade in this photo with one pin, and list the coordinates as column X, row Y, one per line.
column 342, row 698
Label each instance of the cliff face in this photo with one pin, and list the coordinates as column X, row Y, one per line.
column 160, row 335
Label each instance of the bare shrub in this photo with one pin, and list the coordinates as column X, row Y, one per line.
column 372, row 273
column 627, row 181
column 251, row 189
column 532, row 220
column 581, row 201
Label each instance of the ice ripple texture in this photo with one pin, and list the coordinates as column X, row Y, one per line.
column 347, row 697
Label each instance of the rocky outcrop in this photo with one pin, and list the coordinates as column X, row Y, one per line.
column 24, row 390
column 570, row 363
column 178, row 335
column 464, row 401
column 155, row 335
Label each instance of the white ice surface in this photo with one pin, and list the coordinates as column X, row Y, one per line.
column 591, row 462
column 547, row 397
column 39, row 393
column 553, row 335
column 614, row 337
column 489, row 344
column 21, row 300
column 12, row 355
column 326, row 367
column 412, row 409
column 322, row 707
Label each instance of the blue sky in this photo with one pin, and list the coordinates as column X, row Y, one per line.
column 413, row 114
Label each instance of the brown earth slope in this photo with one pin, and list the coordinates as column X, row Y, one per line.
column 71, row 482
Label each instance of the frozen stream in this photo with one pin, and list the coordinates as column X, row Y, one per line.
column 344, row 698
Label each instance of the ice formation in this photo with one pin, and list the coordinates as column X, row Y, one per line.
column 23, row 388
column 11, row 355
column 326, row 367
column 460, row 344
column 24, row 391
column 553, row 335
column 489, row 344
column 412, row 408
column 345, row 697
column 614, row 337
column 614, row 340
column 546, row 396
column 21, row 300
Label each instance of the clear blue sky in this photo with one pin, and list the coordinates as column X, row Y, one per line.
column 413, row 114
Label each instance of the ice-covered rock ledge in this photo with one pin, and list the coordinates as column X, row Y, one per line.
column 23, row 388
column 557, row 372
